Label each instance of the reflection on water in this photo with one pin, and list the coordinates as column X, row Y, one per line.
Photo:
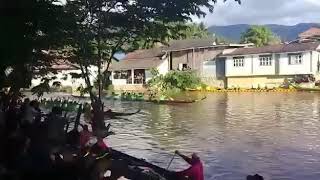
column 276, row 135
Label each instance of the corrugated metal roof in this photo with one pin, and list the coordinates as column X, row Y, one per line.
column 189, row 44
column 140, row 64
column 145, row 54
column 279, row 48
column 140, row 59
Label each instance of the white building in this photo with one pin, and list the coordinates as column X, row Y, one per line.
column 269, row 66
column 133, row 72
column 61, row 72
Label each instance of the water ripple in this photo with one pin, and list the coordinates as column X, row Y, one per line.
column 274, row 134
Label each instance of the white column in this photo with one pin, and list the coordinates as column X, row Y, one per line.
column 132, row 76
column 311, row 63
column 193, row 59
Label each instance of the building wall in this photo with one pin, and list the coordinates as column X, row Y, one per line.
column 254, row 75
column 304, row 68
column 315, row 61
column 256, row 81
column 213, row 82
column 194, row 58
column 121, row 84
column 205, row 62
column 181, row 57
column 316, row 64
column 69, row 81
column 130, row 87
column 163, row 68
column 209, row 69
column 252, row 65
column 213, row 73
column 221, row 68
column 246, row 70
column 262, row 70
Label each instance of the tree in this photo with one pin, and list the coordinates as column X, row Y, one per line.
column 97, row 29
column 168, row 85
column 86, row 32
column 260, row 36
column 28, row 28
column 175, row 31
column 222, row 40
column 196, row 31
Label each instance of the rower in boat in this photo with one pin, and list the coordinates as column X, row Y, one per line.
column 195, row 171
column 56, row 123
column 112, row 114
column 255, row 177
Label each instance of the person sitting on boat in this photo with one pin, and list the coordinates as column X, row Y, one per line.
column 195, row 171
column 85, row 136
column 36, row 111
column 56, row 123
column 108, row 112
column 255, row 177
column 27, row 114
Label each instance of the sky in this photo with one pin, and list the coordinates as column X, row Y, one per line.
column 284, row 12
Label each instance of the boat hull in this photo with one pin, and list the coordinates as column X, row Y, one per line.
column 307, row 89
column 139, row 163
column 177, row 101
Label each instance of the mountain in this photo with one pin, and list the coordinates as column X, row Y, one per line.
column 286, row 33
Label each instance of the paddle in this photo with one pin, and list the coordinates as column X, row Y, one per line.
column 171, row 160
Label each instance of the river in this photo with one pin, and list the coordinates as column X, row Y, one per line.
column 274, row 134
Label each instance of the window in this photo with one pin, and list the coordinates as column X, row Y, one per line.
column 139, row 76
column 295, row 59
column 238, row 61
column 183, row 67
column 123, row 75
column 265, row 60
column 116, row 75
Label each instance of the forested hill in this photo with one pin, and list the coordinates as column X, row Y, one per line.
column 286, row 33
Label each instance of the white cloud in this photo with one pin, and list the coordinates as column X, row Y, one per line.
column 288, row 12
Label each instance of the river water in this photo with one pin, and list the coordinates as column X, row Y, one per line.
column 274, row 134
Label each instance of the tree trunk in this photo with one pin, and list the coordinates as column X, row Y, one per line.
column 98, row 124
column 99, row 80
column 77, row 122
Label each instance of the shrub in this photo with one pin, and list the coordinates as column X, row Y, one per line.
column 303, row 79
column 172, row 83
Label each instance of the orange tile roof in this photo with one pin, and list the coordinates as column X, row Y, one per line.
column 314, row 31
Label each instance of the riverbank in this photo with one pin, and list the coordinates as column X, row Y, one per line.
column 143, row 97
column 214, row 90
column 191, row 95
